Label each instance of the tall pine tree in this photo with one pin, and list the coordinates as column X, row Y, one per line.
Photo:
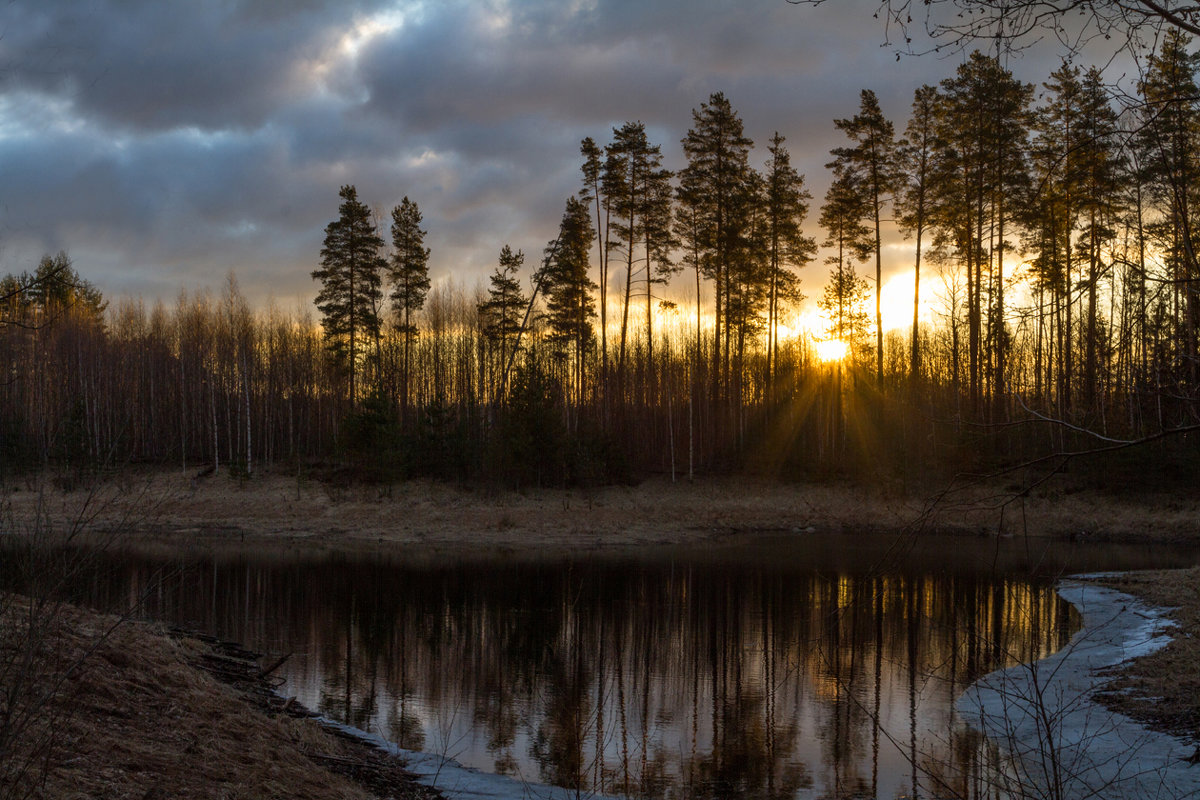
column 870, row 168
column 570, row 306
column 713, row 188
column 410, row 279
column 786, row 206
column 501, row 312
column 351, row 277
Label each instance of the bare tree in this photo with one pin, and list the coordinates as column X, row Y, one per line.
column 1016, row 24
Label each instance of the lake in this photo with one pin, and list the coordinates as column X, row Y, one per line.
column 775, row 667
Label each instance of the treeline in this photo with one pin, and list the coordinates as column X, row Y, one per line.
column 1060, row 235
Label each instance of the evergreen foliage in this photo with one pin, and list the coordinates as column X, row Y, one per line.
column 351, row 276
column 570, row 304
column 785, row 207
column 715, row 192
column 409, row 274
column 870, row 168
column 501, row 313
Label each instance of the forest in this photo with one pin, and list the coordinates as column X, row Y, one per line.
column 1049, row 227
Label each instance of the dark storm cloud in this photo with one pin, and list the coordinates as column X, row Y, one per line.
column 164, row 143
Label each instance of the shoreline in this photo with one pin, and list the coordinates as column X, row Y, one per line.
column 273, row 515
column 1051, row 707
column 111, row 706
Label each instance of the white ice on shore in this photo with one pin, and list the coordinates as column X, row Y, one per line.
column 457, row 782
column 1062, row 743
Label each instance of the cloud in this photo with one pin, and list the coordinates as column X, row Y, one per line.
column 163, row 144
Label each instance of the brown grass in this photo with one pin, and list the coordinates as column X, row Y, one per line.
column 275, row 511
column 1162, row 689
column 124, row 713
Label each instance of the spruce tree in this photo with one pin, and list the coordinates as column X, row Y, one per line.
column 842, row 216
column 351, row 276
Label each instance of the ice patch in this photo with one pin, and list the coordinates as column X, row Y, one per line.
column 1061, row 743
column 457, row 782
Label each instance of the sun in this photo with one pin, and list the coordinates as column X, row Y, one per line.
column 832, row 350
column 896, row 302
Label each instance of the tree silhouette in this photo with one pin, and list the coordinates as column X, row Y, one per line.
column 351, row 278
column 870, row 168
column 409, row 272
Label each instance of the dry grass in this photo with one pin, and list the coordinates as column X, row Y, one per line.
column 1162, row 689
column 276, row 512
column 123, row 713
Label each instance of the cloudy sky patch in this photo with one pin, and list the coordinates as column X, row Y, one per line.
column 163, row 144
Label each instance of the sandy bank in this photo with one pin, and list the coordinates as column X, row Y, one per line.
column 1063, row 742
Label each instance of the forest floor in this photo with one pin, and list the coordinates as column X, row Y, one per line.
column 174, row 511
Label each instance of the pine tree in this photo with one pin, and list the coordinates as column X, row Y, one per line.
column 1171, row 153
column 842, row 217
column 982, row 185
column 871, row 165
column 501, row 312
column 785, row 206
column 713, row 187
column 350, row 276
column 916, row 156
column 1099, row 164
column 1051, row 220
column 409, row 273
column 56, row 287
column 570, row 306
column 637, row 190
column 844, row 303
column 592, row 169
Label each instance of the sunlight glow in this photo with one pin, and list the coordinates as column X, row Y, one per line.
column 896, row 301
column 832, row 349
column 349, row 43
column 365, row 29
column 786, row 332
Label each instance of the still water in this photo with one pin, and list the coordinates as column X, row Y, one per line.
column 820, row 667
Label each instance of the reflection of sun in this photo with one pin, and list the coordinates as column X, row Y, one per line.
column 832, row 349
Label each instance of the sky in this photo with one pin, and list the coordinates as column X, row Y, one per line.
column 163, row 144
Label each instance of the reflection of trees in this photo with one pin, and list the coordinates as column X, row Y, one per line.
column 747, row 762
column 701, row 681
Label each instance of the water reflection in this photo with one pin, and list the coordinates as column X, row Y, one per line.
column 675, row 678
